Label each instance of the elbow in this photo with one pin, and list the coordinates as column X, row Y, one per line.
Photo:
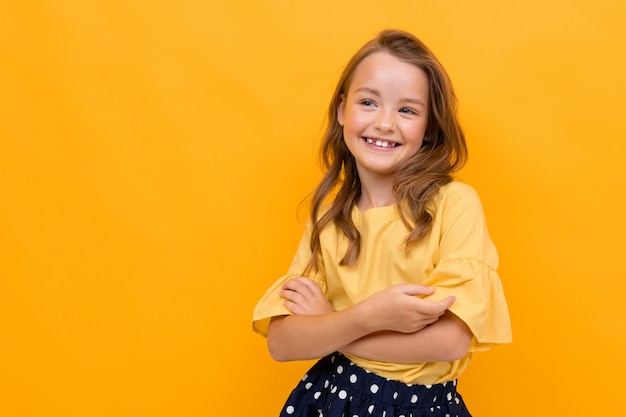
column 275, row 350
column 274, row 345
column 456, row 351
column 457, row 347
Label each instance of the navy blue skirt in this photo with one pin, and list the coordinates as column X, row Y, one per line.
column 336, row 387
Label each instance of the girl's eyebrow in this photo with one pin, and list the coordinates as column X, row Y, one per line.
column 367, row 90
column 376, row 93
column 415, row 101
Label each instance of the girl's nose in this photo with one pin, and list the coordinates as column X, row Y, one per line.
column 384, row 122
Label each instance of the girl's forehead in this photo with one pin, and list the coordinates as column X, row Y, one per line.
column 385, row 69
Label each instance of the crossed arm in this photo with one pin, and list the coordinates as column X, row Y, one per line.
column 392, row 325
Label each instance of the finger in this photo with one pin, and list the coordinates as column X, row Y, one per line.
column 415, row 289
column 435, row 308
column 298, row 287
column 294, row 308
column 293, row 296
column 447, row 302
column 310, row 285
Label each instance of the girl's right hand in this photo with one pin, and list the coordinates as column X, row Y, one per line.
column 304, row 297
column 399, row 308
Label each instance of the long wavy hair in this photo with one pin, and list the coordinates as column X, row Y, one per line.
column 443, row 152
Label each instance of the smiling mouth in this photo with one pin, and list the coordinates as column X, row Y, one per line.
column 381, row 143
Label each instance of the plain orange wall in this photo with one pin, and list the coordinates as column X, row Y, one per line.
column 153, row 154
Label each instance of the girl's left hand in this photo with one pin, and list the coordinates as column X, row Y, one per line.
column 304, row 297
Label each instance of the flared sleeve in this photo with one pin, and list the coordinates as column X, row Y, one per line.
column 271, row 303
column 466, row 267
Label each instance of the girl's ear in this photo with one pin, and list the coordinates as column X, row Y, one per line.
column 341, row 110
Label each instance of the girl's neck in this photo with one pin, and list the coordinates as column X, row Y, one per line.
column 376, row 194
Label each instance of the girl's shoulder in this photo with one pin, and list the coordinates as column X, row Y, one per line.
column 456, row 190
column 456, row 196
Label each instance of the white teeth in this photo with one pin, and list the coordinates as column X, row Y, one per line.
column 380, row 143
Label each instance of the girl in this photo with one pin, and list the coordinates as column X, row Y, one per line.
column 394, row 284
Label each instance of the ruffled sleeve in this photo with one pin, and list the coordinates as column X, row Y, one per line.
column 272, row 304
column 480, row 301
column 466, row 268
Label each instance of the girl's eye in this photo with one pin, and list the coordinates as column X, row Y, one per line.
column 367, row 103
column 407, row 110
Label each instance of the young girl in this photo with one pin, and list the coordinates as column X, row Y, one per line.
column 394, row 284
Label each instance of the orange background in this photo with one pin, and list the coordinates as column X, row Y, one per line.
column 153, row 154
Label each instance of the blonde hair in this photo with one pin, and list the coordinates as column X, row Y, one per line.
column 443, row 152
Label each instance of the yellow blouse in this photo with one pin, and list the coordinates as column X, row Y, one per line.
column 457, row 257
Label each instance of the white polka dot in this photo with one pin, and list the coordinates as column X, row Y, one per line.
column 429, row 386
column 435, row 399
column 333, row 389
column 290, row 409
column 395, row 395
column 413, row 398
column 343, row 395
column 449, row 396
column 353, row 378
column 340, row 369
column 374, row 388
column 305, row 377
column 370, row 409
column 384, row 413
column 308, row 385
column 317, row 395
column 326, row 384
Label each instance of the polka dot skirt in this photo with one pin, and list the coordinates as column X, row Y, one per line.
column 335, row 387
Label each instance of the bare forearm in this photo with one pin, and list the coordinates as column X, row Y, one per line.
column 446, row 340
column 309, row 337
column 316, row 330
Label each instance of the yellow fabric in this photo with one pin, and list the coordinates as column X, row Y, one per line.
column 457, row 257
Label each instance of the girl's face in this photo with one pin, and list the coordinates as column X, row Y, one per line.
column 384, row 114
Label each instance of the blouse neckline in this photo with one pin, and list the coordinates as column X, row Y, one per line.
column 376, row 213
